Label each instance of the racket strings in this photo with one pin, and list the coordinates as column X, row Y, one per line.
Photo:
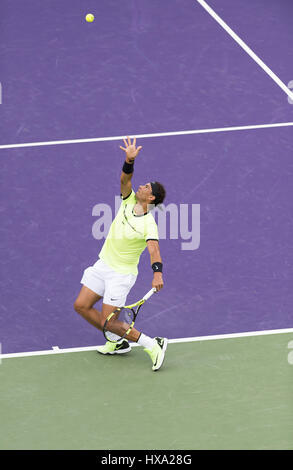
column 119, row 324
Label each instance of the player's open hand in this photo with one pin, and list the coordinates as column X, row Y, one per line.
column 130, row 150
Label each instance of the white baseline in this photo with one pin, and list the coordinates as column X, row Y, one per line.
column 57, row 350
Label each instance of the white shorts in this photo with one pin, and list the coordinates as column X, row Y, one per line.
column 104, row 281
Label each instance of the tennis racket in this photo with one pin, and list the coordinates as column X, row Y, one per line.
column 122, row 320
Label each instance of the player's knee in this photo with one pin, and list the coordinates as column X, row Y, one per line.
column 79, row 307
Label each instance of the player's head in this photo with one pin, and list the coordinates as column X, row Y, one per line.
column 159, row 192
column 151, row 193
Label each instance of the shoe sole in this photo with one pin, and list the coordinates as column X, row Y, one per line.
column 120, row 351
column 160, row 363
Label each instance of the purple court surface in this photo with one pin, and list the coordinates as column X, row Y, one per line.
column 145, row 67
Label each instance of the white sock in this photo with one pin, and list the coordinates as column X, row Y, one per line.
column 146, row 341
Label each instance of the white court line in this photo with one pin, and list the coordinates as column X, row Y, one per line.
column 146, row 136
column 246, row 48
column 57, row 350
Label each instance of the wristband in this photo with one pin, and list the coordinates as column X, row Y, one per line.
column 128, row 168
column 157, row 267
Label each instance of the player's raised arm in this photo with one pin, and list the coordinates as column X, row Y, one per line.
column 127, row 171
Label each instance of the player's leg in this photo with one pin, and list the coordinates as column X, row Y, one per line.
column 117, row 326
column 92, row 291
column 155, row 347
column 120, row 347
column 84, row 306
column 117, row 288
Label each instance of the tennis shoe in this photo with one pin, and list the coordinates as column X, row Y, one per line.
column 115, row 348
column 157, row 353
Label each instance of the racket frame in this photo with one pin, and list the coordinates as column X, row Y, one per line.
column 135, row 313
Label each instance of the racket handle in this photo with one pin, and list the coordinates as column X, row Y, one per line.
column 150, row 293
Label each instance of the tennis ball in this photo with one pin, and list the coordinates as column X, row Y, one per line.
column 89, row 18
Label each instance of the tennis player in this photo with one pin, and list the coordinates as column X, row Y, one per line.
column 114, row 274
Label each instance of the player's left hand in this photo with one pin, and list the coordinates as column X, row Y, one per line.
column 131, row 150
column 158, row 283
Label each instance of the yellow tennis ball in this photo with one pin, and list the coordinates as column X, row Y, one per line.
column 89, row 18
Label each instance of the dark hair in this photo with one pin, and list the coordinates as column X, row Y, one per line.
column 159, row 192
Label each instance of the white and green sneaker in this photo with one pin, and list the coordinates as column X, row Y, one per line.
column 115, row 348
column 157, row 353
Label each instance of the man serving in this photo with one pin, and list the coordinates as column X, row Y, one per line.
column 114, row 274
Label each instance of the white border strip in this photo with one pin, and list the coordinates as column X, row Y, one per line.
column 246, row 48
column 146, row 136
column 57, row 350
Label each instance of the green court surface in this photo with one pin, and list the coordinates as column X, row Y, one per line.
column 217, row 394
